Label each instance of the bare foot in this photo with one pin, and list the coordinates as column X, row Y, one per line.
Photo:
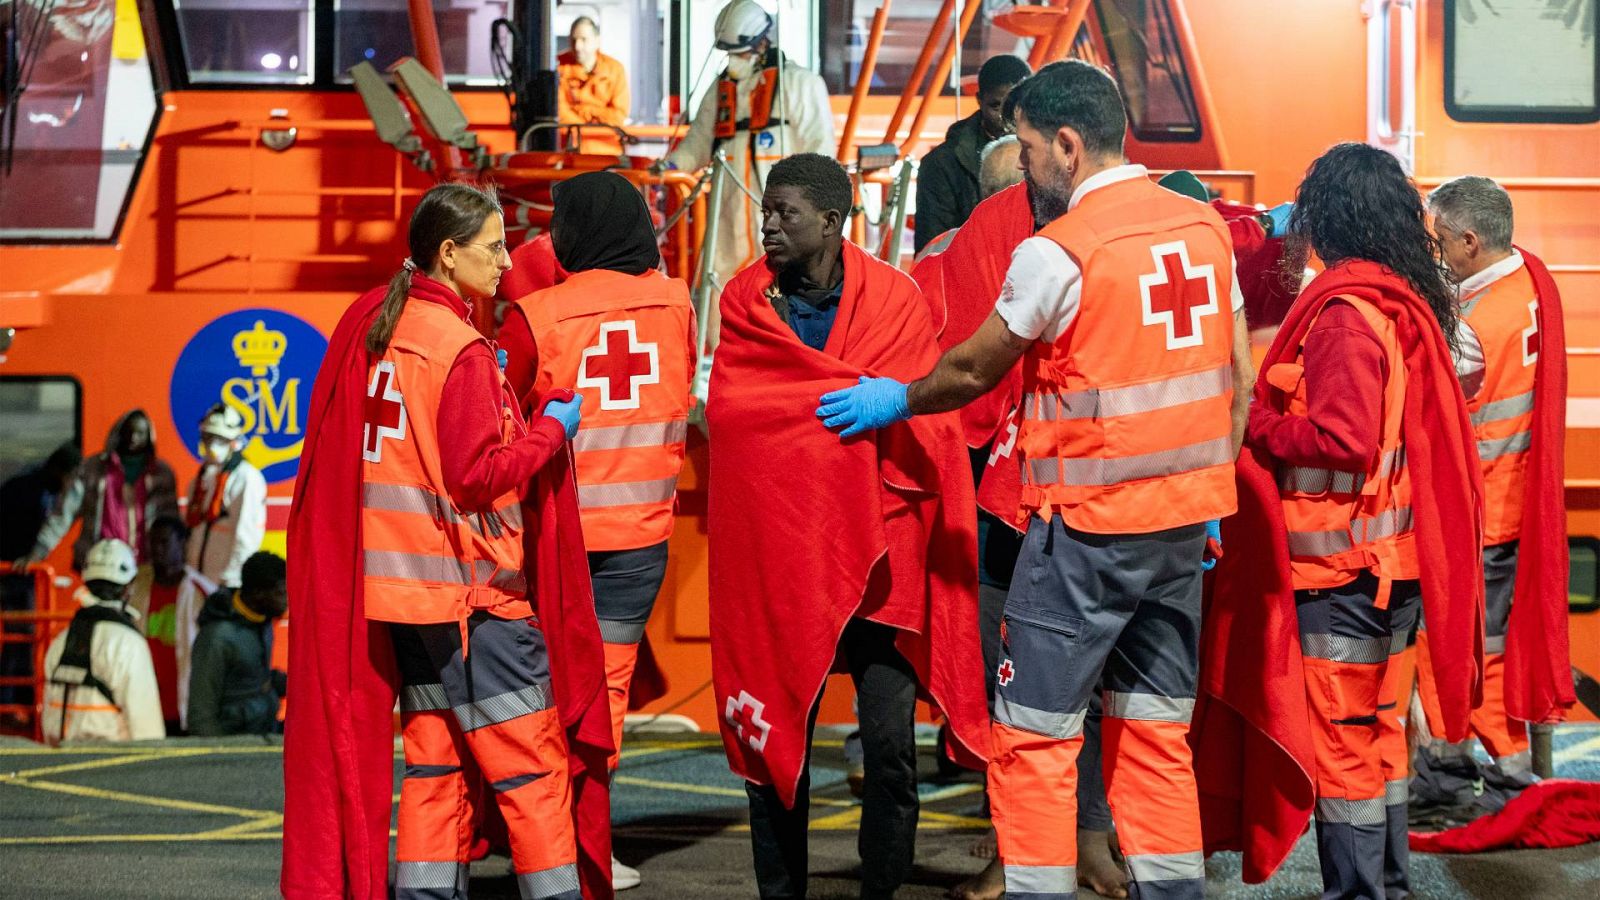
column 990, row 884
column 1097, row 868
column 986, row 846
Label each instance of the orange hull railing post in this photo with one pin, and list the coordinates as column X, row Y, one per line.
column 869, row 63
column 914, row 83
column 940, row 73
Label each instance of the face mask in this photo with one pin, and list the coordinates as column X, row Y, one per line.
column 216, row 452
column 740, row 67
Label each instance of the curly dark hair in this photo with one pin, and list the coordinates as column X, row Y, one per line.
column 1356, row 202
column 819, row 177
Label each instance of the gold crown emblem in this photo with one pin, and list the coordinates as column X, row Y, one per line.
column 259, row 348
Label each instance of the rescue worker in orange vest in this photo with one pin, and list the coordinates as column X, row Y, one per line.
column 621, row 334
column 1335, row 415
column 1126, row 310
column 1500, row 310
column 445, row 455
column 592, row 89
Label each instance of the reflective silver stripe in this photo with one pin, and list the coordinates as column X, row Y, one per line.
column 1147, row 867
column 1041, row 879
column 621, row 632
column 1501, row 410
column 1116, row 470
column 1105, row 403
column 1518, row 763
column 1148, row 707
column 1516, row 443
column 1351, row 812
column 625, row 493
column 1129, row 400
column 1361, row 531
column 423, row 697
column 415, row 567
column 406, row 498
column 1397, row 642
column 1314, row 480
column 508, row 580
column 554, row 882
column 425, row 876
column 1397, row 792
column 1494, row 644
column 1338, row 648
column 512, row 514
column 618, row 437
column 1057, row 725
column 502, row 707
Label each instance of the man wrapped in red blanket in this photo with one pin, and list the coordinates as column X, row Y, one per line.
column 821, row 554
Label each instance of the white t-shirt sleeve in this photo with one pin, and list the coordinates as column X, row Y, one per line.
column 1238, row 295
column 1469, row 359
column 1039, row 298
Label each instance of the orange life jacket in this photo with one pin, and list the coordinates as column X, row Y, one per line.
column 1505, row 316
column 1343, row 523
column 627, row 344
column 425, row 559
column 761, row 96
column 1126, row 425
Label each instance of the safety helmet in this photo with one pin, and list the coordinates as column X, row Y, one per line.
column 110, row 560
column 223, row 421
column 741, row 25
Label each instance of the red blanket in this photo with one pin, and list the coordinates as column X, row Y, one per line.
column 533, row 268
column 1253, row 756
column 1538, row 668
column 808, row 531
column 1441, row 453
column 1553, row 813
column 339, row 736
column 1256, row 259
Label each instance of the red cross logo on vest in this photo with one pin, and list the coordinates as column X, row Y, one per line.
column 1530, row 335
column 1004, row 446
column 618, row 365
column 385, row 413
column 744, row 714
column 1178, row 295
column 1005, row 673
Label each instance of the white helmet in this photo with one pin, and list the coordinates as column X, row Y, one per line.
column 110, row 560
column 741, row 25
column 223, row 421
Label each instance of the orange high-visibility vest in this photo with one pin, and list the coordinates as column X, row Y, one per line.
column 1126, row 424
column 425, row 559
column 1505, row 314
column 627, row 344
column 1342, row 523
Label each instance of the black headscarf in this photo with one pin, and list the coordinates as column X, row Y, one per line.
column 601, row 222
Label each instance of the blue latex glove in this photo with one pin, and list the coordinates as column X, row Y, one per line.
column 872, row 403
column 1276, row 220
column 1213, row 551
column 501, row 359
column 566, row 412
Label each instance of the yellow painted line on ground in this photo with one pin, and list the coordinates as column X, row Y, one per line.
column 951, row 820
column 142, row 799
column 127, row 750
column 708, row 789
column 1577, row 751
column 137, row 838
column 250, row 827
column 102, row 763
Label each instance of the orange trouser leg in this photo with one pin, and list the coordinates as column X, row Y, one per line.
column 1505, row 738
column 437, row 804
column 1150, row 784
column 1033, row 796
column 620, row 661
column 524, row 762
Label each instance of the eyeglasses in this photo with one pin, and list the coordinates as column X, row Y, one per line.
column 495, row 249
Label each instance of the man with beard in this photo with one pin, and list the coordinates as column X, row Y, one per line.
column 1129, row 430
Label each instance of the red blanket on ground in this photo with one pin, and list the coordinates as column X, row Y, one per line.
column 1538, row 660
column 1253, row 756
column 339, row 737
column 1555, row 813
column 808, row 531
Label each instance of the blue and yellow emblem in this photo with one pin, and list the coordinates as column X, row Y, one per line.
column 261, row 362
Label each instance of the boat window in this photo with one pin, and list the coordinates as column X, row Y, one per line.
column 1583, row 579
column 846, row 24
column 72, row 140
column 247, row 41
column 379, row 32
column 1142, row 42
column 41, row 414
column 1521, row 61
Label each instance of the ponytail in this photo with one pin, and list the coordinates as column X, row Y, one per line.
column 394, row 302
